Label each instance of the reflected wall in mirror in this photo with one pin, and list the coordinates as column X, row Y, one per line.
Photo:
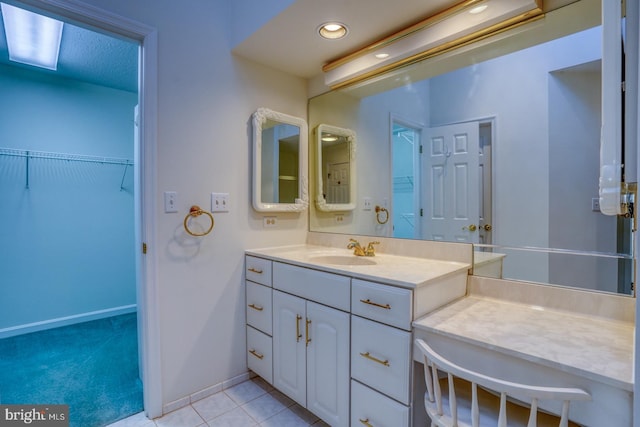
column 280, row 162
column 496, row 144
column 335, row 165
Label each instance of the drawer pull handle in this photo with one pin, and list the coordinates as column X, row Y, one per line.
column 298, row 334
column 256, row 354
column 256, row 307
column 375, row 359
column 254, row 270
column 308, row 340
column 365, row 422
column 368, row 301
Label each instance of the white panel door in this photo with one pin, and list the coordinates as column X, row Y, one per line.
column 451, row 205
column 338, row 183
column 328, row 364
column 289, row 359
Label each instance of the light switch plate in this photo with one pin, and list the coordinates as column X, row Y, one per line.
column 366, row 203
column 219, row 202
column 170, row 202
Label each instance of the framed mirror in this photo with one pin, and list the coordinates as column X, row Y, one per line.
column 280, row 162
column 335, row 168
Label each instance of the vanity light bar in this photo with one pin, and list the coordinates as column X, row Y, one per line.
column 31, row 38
column 436, row 34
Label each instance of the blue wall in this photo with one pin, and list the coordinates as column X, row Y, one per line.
column 66, row 242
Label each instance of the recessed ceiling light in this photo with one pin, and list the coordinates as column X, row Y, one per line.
column 478, row 9
column 382, row 55
column 333, row 30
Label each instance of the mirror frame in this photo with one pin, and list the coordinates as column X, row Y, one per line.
column 259, row 118
column 321, row 202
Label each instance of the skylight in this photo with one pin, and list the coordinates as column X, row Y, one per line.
column 31, row 38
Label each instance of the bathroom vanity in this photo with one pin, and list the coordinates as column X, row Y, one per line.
column 335, row 332
column 551, row 336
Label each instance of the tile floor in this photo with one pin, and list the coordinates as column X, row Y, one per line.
column 251, row 403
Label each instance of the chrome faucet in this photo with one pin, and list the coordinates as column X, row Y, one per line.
column 359, row 250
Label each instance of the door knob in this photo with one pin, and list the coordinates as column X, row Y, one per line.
column 487, row 227
column 472, row 227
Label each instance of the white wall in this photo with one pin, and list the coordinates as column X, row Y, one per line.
column 205, row 101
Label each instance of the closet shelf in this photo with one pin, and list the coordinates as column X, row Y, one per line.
column 28, row 154
column 64, row 156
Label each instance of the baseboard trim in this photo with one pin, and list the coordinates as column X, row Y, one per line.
column 206, row 392
column 65, row 321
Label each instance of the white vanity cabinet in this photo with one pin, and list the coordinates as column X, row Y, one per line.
column 341, row 335
column 311, row 340
column 259, row 316
column 380, row 354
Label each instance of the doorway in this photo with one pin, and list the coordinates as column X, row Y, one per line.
column 134, row 178
column 405, row 157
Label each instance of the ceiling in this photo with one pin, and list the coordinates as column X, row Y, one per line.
column 290, row 41
column 90, row 57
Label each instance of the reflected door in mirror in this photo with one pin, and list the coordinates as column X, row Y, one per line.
column 335, row 164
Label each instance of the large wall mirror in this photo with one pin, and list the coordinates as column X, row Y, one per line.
column 495, row 143
column 335, row 166
column 280, row 162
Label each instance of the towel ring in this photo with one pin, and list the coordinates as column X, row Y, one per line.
column 194, row 212
column 380, row 209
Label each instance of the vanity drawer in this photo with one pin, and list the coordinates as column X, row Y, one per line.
column 330, row 289
column 258, row 270
column 259, row 307
column 382, row 303
column 259, row 354
column 369, row 406
column 381, row 357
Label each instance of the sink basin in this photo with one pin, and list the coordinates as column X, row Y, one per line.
column 342, row 260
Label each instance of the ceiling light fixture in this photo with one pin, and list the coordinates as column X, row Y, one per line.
column 382, row 55
column 478, row 9
column 333, row 30
column 31, row 38
column 437, row 34
column 329, row 138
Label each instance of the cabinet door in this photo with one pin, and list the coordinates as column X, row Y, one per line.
column 289, row 358
column 328, row 364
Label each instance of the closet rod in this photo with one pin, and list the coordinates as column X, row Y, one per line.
column 28, row 154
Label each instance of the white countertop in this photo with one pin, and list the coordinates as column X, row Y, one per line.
column 593, row 347
column 402, row 271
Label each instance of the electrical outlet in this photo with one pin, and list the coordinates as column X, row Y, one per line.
column 366, row 203
column 595, row 204
column 219, row 202
column 339, row 218
column 170, row 202
column 269, row 221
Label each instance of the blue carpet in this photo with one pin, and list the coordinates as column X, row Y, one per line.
column 90, row 366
